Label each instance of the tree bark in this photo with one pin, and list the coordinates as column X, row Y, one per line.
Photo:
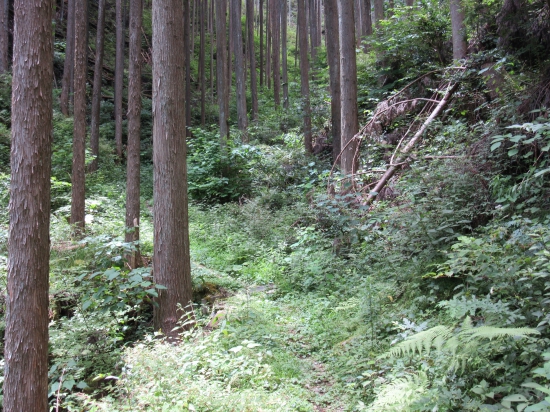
column 221, row 67
column 275, row 14
column 348, row 86
column 333, row 57
column 367, row 18
column 284, row 23
column 252, row 57
column 187, row 52
column 171, row 264
column 26, row 336
column 96, row 95
column 119, row 77
column 240, row 78
column 4, row 36
column 202, row 54
column 304, row 73
column 134, row 132
column 79, row 125
column 457, row 23
column 68, row 67
column 261, row 11
column 268, row 45
column 378, row 12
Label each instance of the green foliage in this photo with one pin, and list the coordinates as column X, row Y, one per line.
column 216, row 173
column 413, row 41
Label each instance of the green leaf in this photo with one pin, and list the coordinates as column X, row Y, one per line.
column 161, row 287
column 111, row 274
column 86, row 304
column 152, row 292
column 515, row 398
column 513, row 152
column 495, row 146
column 68, row 384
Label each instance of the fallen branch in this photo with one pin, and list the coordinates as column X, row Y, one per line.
column 404, row 152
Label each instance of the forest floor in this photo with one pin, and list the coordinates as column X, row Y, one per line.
column 282, row 322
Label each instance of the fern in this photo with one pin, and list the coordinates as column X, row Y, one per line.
column 461, row 342
column 400, row 394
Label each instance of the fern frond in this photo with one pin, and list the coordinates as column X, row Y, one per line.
column 400, row 394
column 491, row 332
column 421, row 342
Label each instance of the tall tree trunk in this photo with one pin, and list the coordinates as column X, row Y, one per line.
column 333, row 57
column 366, row 21
column 134, row 132
column 171, row 264
column 119, row 76
column 221, row 67
column 240, row 78
column 304, row 73
column 4, row 36
column 275, row 13
column 459, row 37
column 348, row 87
column 26, row 336
column 378, row 12
column 211, row 35
column 68, row 67
column 284, row 24
column 261, row 11
column 187, row 53
column 358, row 23
column 268, row 44
column 202, row 54
column 252, row 57
column 231, row 50
column 312, row 30
column 79, row 125
column 96, row 95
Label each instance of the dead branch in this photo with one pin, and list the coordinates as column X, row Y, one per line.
column 451, row 88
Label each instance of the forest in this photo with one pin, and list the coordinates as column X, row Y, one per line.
column 275, row 205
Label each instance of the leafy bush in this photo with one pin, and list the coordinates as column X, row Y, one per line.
column 217, row 174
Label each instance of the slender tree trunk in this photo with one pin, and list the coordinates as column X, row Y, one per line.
column 187, row 53
column 276, row 44
column 134, row 132
column 348, row 87
column 194, row 25
column 261, row 11
column 231, row 49
column 252, row 57
column 333, row 57
column 4, row 36
column 457, row 23
column 304, row 73
column 202, row 54
column 171, row 263
column 79, row 125
column 284, row 24
column 358, row 23
column 68, row 67
column 268, row 44
column 409, row 3
column 378, row 12
column 96, row 96
column 221, row 67
column 240, row 78
column 211, row 35
column 367, row 18
column 119, row 76
column 26, row 335
column 312, row 30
